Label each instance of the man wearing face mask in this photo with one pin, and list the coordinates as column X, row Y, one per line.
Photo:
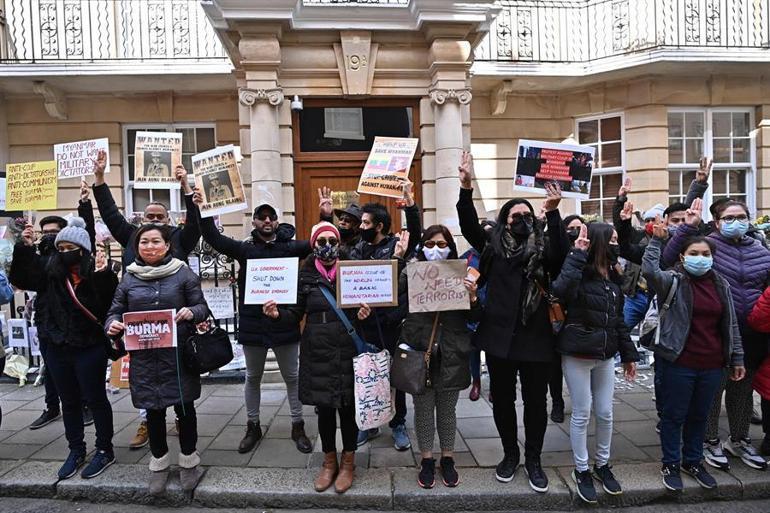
column 348, row 223
column 257, row 331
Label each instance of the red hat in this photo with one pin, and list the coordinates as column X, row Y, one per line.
column 321, row 227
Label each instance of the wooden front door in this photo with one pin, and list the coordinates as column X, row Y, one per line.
column 341, row 170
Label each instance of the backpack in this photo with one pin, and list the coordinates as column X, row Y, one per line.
column 649, row 332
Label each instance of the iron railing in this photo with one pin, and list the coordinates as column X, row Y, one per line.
column 588, row 30
column 377, row 3
column 107, row 30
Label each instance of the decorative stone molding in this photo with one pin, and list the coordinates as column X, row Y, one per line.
column 498, row 100
column 356, row 60
column 248, row 97
column 55, row 101
column 441, row 96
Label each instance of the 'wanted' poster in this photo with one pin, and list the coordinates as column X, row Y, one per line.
column 217, row 177
column 156, row 155
column 388, row 166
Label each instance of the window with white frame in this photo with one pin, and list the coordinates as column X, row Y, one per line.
column 195, row 139
column 605, row 133
column 722, row 134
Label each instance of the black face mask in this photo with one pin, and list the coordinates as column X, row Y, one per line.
column 368, row 235
column 46, row 246
column 613, row 253
column 573, row 234
column 70, row 258
column 522, row 229
column 347, row 233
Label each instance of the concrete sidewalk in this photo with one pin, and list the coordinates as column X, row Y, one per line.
column 275, row 474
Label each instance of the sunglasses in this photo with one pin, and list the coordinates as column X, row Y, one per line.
column 432, row 244
column 732, row 219
column 155, row 217
column 266, row 217
column 323, row 241
column 521, row 217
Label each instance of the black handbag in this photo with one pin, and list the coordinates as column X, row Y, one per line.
column 208, row 351
column 411, row 369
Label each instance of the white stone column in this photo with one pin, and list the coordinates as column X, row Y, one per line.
column 5, row 157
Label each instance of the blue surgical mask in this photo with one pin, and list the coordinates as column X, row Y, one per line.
column 697, row 265
column 734, row 230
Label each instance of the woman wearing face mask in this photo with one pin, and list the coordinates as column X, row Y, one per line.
column 326, row 356
column 745, row 263
column 698, row 339
column 158, row 281
column 77, row 292
column 449, row 364
column 594, row 332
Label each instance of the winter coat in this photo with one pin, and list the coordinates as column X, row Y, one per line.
column 594, row 325
column 675, row 325
column 450, row 359
column 255, row 328
column 64, row 323
column 502, row 332
column 183, row 240
column 156, row 376
column 759, row 319
column 326, row 350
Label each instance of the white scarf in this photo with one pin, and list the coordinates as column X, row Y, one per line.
column 151, row 272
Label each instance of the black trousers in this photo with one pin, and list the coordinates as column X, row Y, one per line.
column 327, row 428
column 51, row 394
column 766, row 417
column 534, row 389
column 188, row 429
column 556, row 383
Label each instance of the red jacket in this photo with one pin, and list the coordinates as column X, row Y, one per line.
column 759, row 319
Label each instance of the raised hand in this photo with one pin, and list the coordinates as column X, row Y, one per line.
column 406, row 187
column 702, row 175
column 403, row 242
column 85, row 191
column 583, row 243
column 28, row 235
column 628, row 211
column 101, row 261
column 100, row 165
column 270, row 309
column 466, row 170
column 659, row 229
column 180, row 173
column 364, row 311
column 552, row 196
column 325, row 201
column 625, row 189
column 694, row 214
column 197, row 197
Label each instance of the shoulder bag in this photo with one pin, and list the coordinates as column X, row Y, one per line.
column 114, row 345
column 411, row 368
column 207, row 351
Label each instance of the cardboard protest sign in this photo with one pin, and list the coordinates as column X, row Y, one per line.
column 271, row 279
column 76, row 159
column 220, row 301
column 437, row 286
column 569, row 165
column 388, row 164
column 156, row 155
column 119, row 372
column 217, row 177
column 367, row 281
column 18, row 334
column 31, row 186
column 154, row 329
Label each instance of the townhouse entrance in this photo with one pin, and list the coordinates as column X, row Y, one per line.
column 332, row 139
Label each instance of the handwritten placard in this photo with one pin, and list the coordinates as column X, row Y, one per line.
column 31, row 186
column 388, row 166
column 220, row 301
column 154, row 329
column 367, row 281
column 271, row 279
column 76, row 159
column 437, row 286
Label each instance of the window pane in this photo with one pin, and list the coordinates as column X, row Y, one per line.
column 722, row 124
column 676, row 124
column 721, row 150
column 141, row 199
column 611, row 129
column 675, row 154
column 610, row 156
column 205, row 139
column 607, row 210
column 693, row 124
column 611, row 184
column 130, row 164
column 131, row 136
column 382, row 121
column 737, row 181
column 693, row 150
column 187, row 161
column 188, row 139
column 589, row 208
column 163, row 196
column 674, row 188
column 596, row 187
column 740, row 124
column 720, row 183
column 588, row 132
column 687, row 178
column 741, row 151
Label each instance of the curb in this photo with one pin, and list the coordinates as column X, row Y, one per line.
column 374, row 489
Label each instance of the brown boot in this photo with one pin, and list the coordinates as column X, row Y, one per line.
column 328, row 472
column 347, row 469
column 141, row 438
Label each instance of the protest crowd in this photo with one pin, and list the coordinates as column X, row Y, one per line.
column 546, row 296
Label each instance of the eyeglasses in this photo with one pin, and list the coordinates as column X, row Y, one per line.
column 266, row 217
column 522, row 217
column 432, row 244
column 323, row 241
column 732, row 219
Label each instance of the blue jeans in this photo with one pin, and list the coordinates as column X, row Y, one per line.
column 634, row 309
column 475, row 363
column 684, row 415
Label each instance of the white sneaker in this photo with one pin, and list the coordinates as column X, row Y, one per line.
column 746, row 452
column 714, row 455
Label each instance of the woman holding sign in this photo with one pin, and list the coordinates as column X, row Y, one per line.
column 158, row 281
column 326, row 355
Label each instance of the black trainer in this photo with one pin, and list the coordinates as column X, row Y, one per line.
column 88, row 417
column 45, row 418
column 700, row 474
column 672, row 478
column 252, row 436
column 585, row 486
column 538, row 481
column 507, row 468
column 557, row 412
column 605, row 476
column 427, row 477
column 449, row 472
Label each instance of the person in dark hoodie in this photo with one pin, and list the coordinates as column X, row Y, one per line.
column 515, row 332
column 257, row 332
column 348, row 222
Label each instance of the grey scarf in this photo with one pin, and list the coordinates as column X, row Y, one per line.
column 151, row 272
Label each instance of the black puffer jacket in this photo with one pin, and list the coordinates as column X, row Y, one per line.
column 256, row 329
column 594, row 327
column 156, row 376
column 327, row 350
column 64, row 323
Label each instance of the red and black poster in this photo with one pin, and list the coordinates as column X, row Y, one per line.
column 569, row 165
column 149, row 330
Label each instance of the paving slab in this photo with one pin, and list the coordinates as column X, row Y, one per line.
column 290, row 489
column 755, row 483
column 8, row 465
column 278, row 452
column 31, row 479
column 479, row 491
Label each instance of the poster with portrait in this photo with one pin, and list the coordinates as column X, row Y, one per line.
column 76, row 159
column 388, row 166
column 154, row 329
column 156, row 155
column 569, row 165
column 18, row 334
column 217, row 177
